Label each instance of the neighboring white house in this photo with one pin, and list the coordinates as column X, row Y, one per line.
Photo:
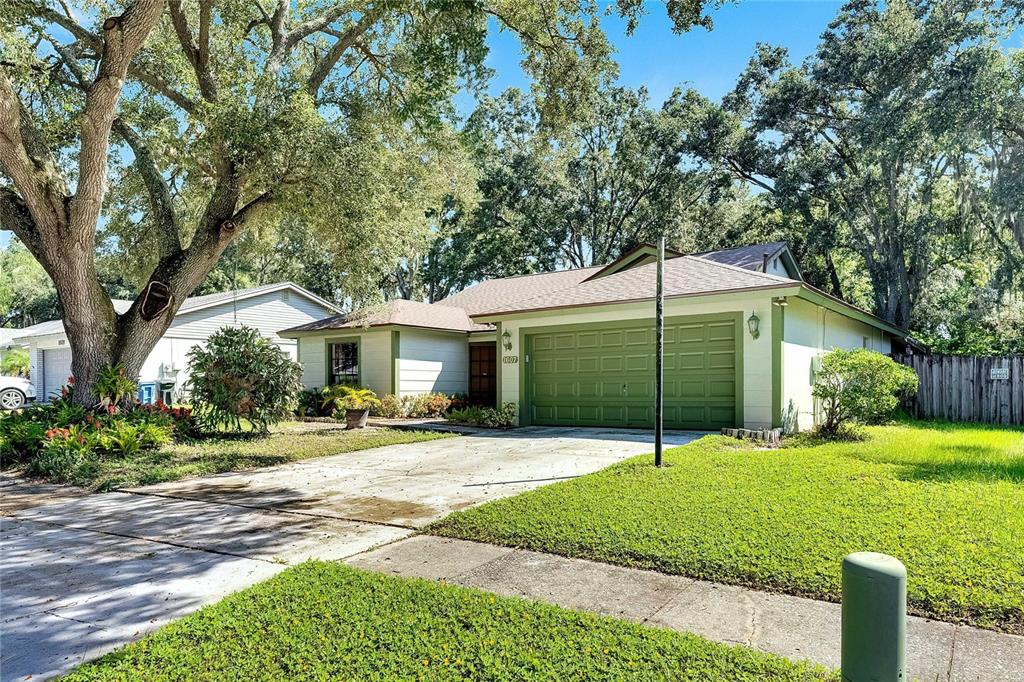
column 743, row 335
column 269, row 308
column 7, row 337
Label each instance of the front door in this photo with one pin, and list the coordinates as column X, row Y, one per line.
column 483, row 374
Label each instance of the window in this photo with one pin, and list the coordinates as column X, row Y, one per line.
column 344, row 359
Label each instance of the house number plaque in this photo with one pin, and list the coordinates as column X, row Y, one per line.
column 510, row 359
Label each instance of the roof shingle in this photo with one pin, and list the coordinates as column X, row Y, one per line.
column 508, row 290
column 400, row 312
column 748, row 257
column 684, row 276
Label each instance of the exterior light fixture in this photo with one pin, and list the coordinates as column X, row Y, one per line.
column 506, row 340
column 753, row 322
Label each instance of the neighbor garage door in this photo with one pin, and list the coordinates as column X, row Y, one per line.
column 56, row 370
column 590, row 376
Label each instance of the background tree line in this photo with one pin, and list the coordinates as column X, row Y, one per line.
column 891, row 161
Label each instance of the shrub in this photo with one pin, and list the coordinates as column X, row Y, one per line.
column 309, row 403
column 177, row 420
column 20, row 438
column 504, row 417
column 120, row 438
column 432, row 405
column 415, row 406
column 241, row 375
column 467, row 415
column 14, row 362
column 57, row 439
column 860, row 385
column 390, row 407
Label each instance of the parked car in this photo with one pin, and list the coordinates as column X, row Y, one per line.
column 15, row 392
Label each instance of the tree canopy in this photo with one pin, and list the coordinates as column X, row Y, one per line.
column 210, row 119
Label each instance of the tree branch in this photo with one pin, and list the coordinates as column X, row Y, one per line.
column 159, row 193
column 318, row 23
column 246, row 211
column 29, row 164
column 163, row 88
column 346, row 40
column 123, row 36
column 197, row 55
column 94, row 41
column 15, row 216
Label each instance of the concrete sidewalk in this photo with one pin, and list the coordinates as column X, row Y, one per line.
column 793, row 627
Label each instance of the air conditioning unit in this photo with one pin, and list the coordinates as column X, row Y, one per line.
column 168, row 372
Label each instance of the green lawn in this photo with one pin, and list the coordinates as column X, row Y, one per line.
column 287, row 443
column 325, row 621
column 948, row 500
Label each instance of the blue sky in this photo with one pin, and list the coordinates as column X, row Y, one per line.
column 708, row 61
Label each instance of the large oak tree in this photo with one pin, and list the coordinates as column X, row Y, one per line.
column 865, row 143
column 232, row 112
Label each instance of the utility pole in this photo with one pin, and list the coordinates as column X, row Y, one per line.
column 659, row 354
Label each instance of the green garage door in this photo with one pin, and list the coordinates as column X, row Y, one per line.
column 588, row 376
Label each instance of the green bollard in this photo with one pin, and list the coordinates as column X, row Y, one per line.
column 874, row 627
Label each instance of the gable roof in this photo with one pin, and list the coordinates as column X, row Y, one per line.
column 396, row 312
column 191, row 304
column 752, row 256
column 629, row 279
column 641, row 254
column 684, row 276
column 8, row 335
column 486, row 295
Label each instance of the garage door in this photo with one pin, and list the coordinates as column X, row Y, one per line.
column 605, row 377
column 56, row 370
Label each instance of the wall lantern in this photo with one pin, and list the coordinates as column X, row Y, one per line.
column 753, row 322
column 506, row 340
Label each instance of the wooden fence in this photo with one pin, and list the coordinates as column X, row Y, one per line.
column 968, row 389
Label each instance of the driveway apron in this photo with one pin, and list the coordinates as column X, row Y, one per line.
column 83, row 574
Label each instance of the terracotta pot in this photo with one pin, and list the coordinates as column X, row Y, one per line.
column 356, row 419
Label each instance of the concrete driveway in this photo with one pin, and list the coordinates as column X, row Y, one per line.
column 82, row 575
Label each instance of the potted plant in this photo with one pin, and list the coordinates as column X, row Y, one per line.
column 357, row 403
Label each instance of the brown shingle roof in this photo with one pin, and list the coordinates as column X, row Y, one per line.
column 400, row 312
column 684, row 276
column 510, row 290
column 748, row 257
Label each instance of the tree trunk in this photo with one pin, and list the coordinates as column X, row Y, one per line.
column 98, row 336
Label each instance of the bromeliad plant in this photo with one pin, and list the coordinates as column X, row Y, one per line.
column 359, row 399
column 61, row 438
column 114, row 389
column 343, row 397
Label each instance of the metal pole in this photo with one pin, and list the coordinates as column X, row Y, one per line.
column 659, row 354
